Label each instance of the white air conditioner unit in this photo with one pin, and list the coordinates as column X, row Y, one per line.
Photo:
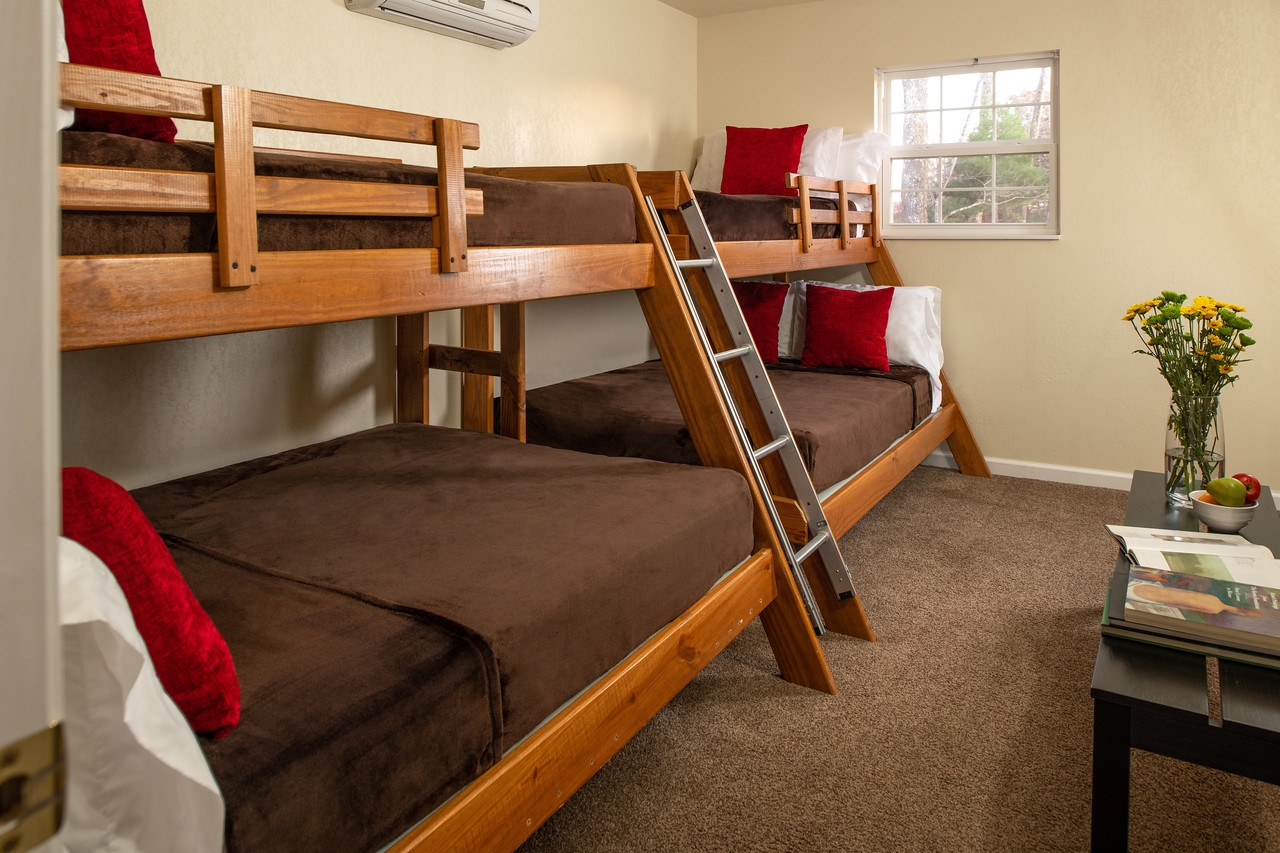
column 494, row 23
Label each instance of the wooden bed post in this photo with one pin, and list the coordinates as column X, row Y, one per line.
column 237, row 208
column 411, row 368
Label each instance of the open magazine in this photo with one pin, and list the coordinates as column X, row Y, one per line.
column 1220, row 556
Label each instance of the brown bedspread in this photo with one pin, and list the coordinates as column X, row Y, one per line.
column 841, row 420
column 406, row 603
column 732, row 218
column 516, row 213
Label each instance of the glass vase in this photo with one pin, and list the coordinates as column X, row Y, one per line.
column 1194, row 446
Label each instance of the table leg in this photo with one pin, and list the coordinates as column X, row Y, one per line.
column 1110, row 828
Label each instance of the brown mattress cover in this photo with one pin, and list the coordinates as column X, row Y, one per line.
column 517, row 213
column 841, row 419
column 435, row 557
column 732, row 218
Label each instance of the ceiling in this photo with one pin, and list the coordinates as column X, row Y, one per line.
column 705, row 8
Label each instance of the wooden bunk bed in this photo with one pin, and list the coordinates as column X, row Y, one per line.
column 853, row 239
column 133, row 297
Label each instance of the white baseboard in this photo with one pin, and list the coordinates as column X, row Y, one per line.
column 942, row 458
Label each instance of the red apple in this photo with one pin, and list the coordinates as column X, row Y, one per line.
column 1252, row 488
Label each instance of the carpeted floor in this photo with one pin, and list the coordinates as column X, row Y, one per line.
column 967, row 727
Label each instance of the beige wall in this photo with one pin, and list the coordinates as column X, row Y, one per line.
column 1170, row 144
column 599, row 82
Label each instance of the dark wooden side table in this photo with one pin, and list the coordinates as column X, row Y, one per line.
column 1156, row 699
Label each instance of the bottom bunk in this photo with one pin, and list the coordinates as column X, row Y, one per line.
column 841, row 419
column 407, row 605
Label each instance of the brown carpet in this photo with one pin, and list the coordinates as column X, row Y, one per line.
column 966, row 727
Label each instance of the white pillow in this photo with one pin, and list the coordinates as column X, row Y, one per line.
column 860, row 156
column 819, row 154
column 820, row 151
column 136, row 777
column 709, row 169
column 66, row 115
column 913, row 334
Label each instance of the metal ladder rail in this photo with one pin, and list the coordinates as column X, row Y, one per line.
column 820, row 542
column 820, row 538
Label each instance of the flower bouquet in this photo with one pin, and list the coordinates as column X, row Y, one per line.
column 1197, row 347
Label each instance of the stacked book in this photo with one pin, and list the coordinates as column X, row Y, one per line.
column 1213, row 593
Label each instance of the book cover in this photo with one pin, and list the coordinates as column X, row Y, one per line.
column 1119, row 628
column 1187, row 606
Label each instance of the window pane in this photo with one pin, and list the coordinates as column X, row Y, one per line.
column 968, row 172
column 1030, row 206
column 1022, row 85
column 966, row 206
column 966, row 90
column 916, row 174
column 914, row 129
column 914, row 208
column 966, row 126
column 914, row 93
column 1022, row 170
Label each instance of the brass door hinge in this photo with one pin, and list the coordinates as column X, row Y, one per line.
column 33, row 780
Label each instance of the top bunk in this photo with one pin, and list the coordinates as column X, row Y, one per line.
column 784, row 199
column 758, row 235
column 172, row 240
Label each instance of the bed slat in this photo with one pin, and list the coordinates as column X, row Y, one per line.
column 107, row 188
column 104, row 89
column 123, row 299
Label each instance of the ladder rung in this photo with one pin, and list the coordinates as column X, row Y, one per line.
column 814, row 544
column 696, row 262
column 737, row 352
column 772, row 447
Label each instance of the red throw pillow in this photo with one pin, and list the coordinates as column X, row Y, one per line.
column 190, row 656
column 114, row 34
column 845, row 328
column 757, row 159
column 761, row 303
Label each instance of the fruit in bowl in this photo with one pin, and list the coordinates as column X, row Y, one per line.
column 1252, row 487
column 1217, row 516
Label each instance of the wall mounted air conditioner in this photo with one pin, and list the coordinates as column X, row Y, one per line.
column 494, row 23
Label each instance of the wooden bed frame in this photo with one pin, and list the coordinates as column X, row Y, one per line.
column 852, row 499
column 118, row 300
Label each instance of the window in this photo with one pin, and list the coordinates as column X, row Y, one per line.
column 973, row 148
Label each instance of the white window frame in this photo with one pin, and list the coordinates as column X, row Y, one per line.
column 1049, row 230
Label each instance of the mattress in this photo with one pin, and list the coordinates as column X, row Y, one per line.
column 841, row 419
column 406, row 603
column 516, row 213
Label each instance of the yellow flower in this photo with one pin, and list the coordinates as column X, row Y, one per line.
column 1239, row 309
column 1199, row 352
column 1129, row 316
column 1215, row 340
column 1224, row 369
column 1217, row 356
column 1215, row 325
column 1188, row 310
